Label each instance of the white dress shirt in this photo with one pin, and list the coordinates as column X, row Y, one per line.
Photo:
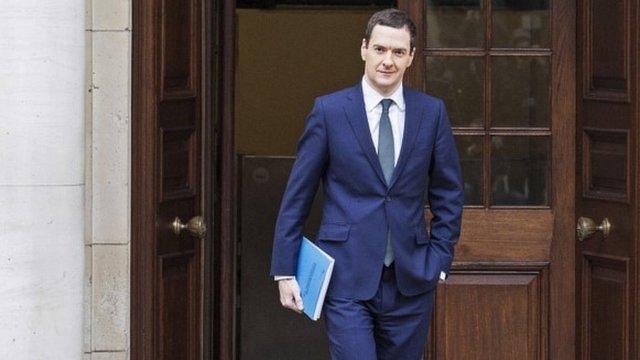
column 373, row 107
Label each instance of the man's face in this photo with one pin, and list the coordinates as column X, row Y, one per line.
column 386, row 57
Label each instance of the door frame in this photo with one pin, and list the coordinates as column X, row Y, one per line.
column 225, row 309
column 142, row 181
column 561, row 332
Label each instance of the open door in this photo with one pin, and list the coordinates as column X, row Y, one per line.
column 506, row 72
column 606, row 183
column 270, row 111
column 172, row 182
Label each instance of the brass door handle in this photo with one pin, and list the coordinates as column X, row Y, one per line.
column 195, row 226
column 587, row 227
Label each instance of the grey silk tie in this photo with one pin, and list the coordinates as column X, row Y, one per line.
column 386, row 155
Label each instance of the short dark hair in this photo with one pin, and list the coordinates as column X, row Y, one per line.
column 394, row 18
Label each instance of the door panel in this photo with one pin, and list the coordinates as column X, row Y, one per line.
column 180, row 139
column 607, row 170
column 170, row 108
column 505, row 72
column 516, row 329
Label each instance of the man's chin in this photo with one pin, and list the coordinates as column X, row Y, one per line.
column 385, row 83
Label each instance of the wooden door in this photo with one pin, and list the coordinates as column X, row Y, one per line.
column 606, row 183
column 506, row 72
column 172, row 164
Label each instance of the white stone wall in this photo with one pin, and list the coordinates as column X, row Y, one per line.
column 42, row 181
column 107, row 249
column 64, row 184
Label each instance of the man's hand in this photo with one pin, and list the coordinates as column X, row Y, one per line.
column 290, row 295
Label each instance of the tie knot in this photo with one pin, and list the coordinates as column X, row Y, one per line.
column 386, row 103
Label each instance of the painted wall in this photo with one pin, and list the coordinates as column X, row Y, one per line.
column 64, row 188
column 42, row 181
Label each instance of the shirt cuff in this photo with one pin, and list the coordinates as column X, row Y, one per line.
column 278, row 278
column 443, row 276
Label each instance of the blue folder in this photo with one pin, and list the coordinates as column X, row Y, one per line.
column 313, row 274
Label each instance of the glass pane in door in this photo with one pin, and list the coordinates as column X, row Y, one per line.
column 520, row 23
column 520, row 91
column 459, row 81
column 520, row 167
column 455, row 24
column 470, row 152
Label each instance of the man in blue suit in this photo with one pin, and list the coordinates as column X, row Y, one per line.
column 376, row 147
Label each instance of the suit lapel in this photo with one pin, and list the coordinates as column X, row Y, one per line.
column 358, row 120
column 412, row 123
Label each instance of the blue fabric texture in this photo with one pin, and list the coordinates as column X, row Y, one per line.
column 362, row 205
column 389, row 326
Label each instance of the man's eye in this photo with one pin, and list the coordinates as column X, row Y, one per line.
column 399, row 52
column 379, row 50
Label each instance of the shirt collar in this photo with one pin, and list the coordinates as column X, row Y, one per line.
column 372, row 97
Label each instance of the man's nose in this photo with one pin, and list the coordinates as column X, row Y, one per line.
column 387, row 61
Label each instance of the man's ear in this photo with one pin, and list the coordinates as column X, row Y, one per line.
column 411, row 54
column 363, row 48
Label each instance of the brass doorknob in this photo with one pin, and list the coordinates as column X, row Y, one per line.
column 195, row 226
column 587, row 227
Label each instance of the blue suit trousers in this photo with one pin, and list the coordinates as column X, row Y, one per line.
column 389, row 326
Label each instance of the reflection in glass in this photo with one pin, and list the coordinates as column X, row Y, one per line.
column 520, row 170
column 459, row 81
column 520, row 23
column 455, row 23
column 520, row 91
column 470, row 152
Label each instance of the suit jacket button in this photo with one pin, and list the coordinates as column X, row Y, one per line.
column 387, row 198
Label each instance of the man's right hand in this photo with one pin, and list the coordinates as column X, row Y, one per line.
column 290, row 295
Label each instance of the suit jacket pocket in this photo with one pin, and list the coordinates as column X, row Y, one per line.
column 334, row 232
column 421, row 235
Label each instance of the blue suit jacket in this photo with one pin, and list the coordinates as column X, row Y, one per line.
column 336, row 146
